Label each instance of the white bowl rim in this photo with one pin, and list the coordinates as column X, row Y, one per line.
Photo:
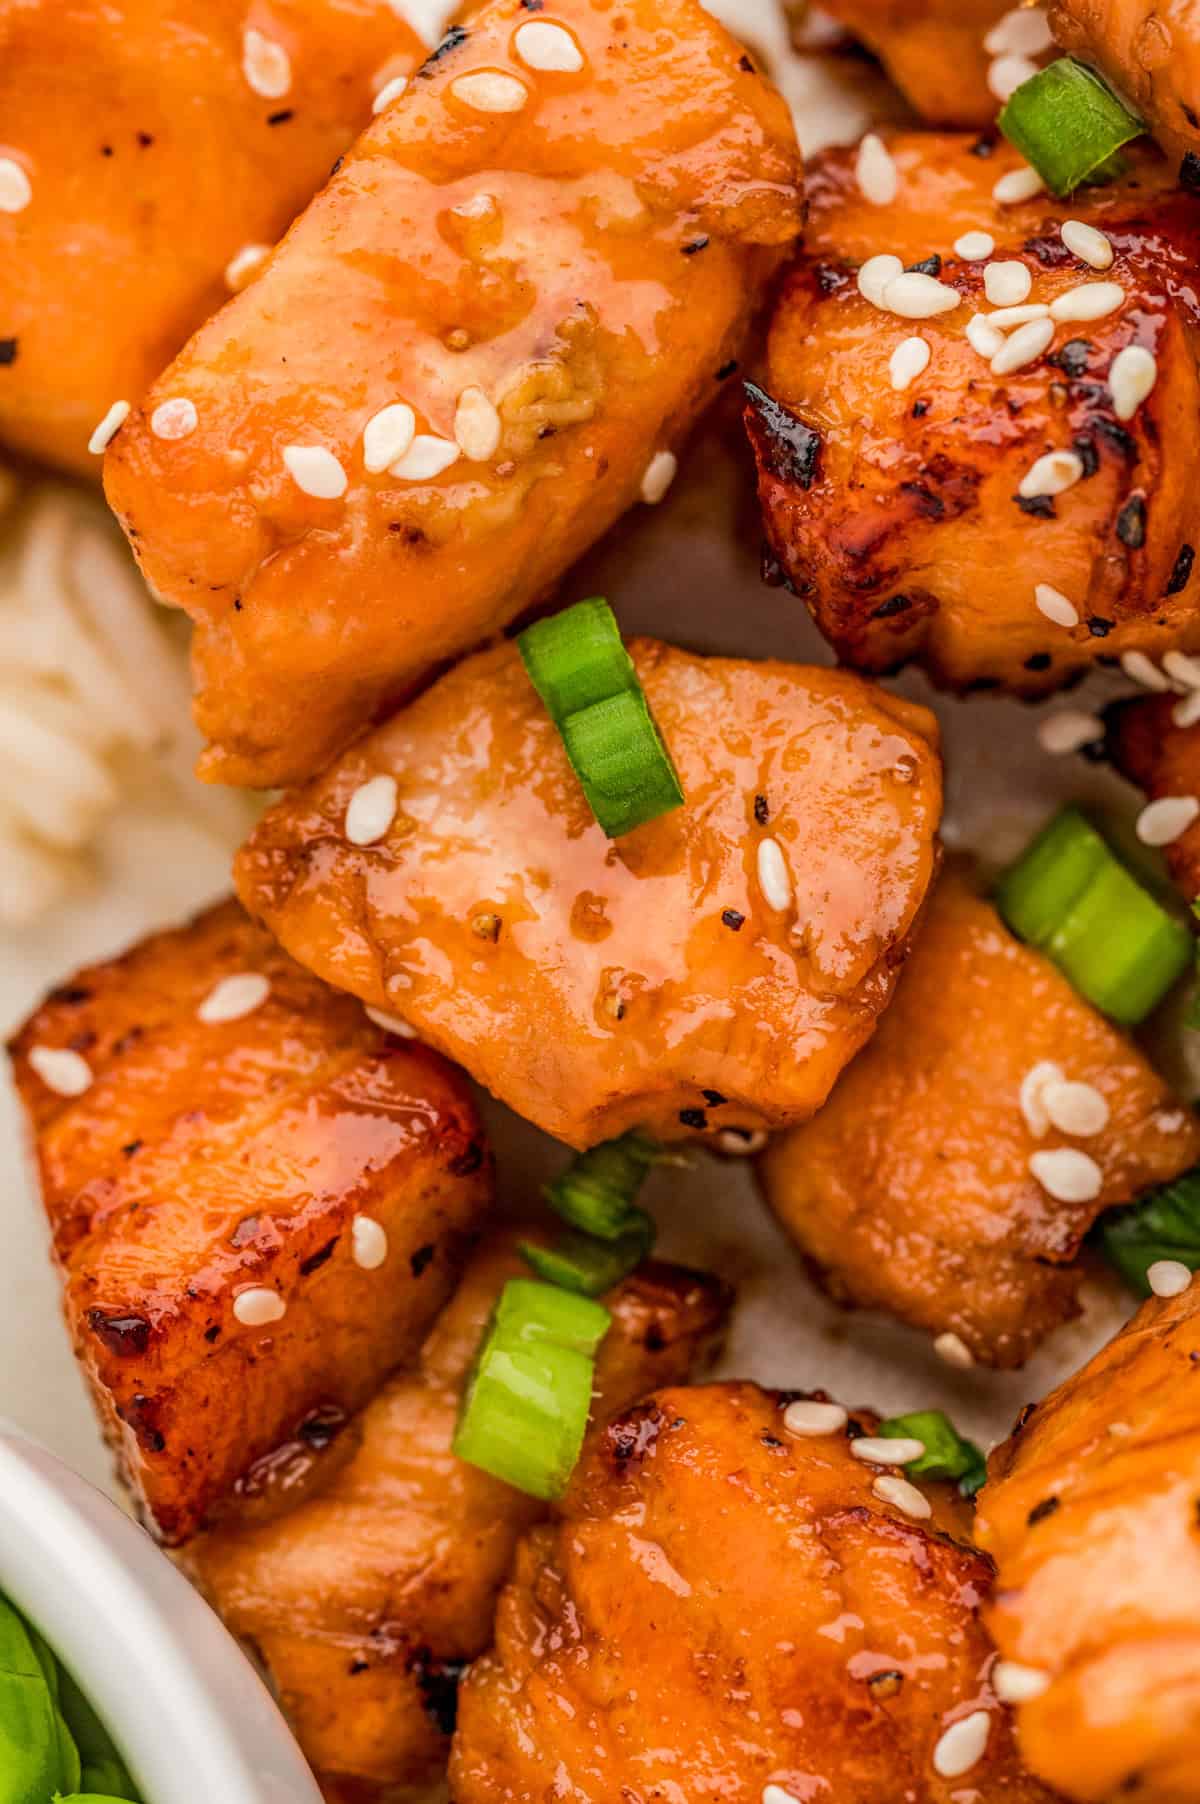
column 189, row 1713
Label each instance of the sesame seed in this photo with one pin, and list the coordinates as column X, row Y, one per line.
column 1160, row 823
column 391, row 1024
column 1007, row 73
column 1085, row 242
column 1131, row 375
column 1051, row 474
column 907, row 361
column 1181, row 669
column 1091, row 300
column 1025, row 346
column 1168, row 1277
column 391, row 90
column 880, row 1451
column 902, row 1496
column 369, row 1241
column 1069, row 730
column 65, row 1072
column 266, row 65
column 1054, row 605
column 1139, row 669
column 108, row 428
column 658, row 476
column 1007, row 283
column 962, row 1745
column 914, row 295
column 316, row 471
column 176, row 418
column 1018, row 185
column 487, row 91
column 875, row 275
column 1186, row 713
column 16, row 190
column 233, row 997
column 1067, row 1174
column 1005, row 318
column 774, row 879
column 244, row 265
column 1025, row 31
column 876, row 173
column 808, row 1418
column 476, row 425
column 1030, row 1095
column 951, row 1348
column 371, row 810
column 256, row 1307
column 983, row 336
column 387, row 435
column 974, row 246
column 1075, row 1108
column 1017, row 1684
column 425, row 458
column 776, row 1794
column 543, row 45
column 742, row 1143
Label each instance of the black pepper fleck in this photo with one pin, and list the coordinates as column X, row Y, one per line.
column 1182, row 568
column 419, row 1260
column 8, row 351
column 732, row 918
column 695, row 244
column 1039, row 661
column 928, row 266
column 1041, row 1510
column 1040, row 506
column 714, row 1099
column 693, row 1118
column 1099, row 627
column 281, row 117
column 761, row 811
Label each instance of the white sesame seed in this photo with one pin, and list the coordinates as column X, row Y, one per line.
column 1090, row 300
column 487, row 91
column 391, row 90
column 1025, row 31
column 256, row 1307
column 1139, row 669
column 65, row 1072
column 974, row 246
column 1168, row 1277
column 108, row 428
column 370, row 1243
column 875, row 172
column 1186, row 713
column 176, row 418
column 983, row 336
column 233, row 997
column 1018, row 185
column 776, row 1794
column 962, row 1745
column 1075, row 1108
column 371, row 810
column 742, row 1143
column 266, row 65
column 879, row 1451
column 907, row 361
column 1007, row 73
column 1006, row 283
column 16, row 190
column 1181, row 669
column 476, row 425
column 244, row 265
column 391, row 1024
column 1017, row 1684
column 1005, row 318
column 875, row 275
column 1055, row 606
column 774, row 879
column 1025, row 346
column 1067, row 1174
column 658, row 476
column 1030, row 1095
column 808, row 1418
column 1051, row 474
column 387, row 435
column 425, row 458
column 543, row 45
column 1086, row 243
column 1069, row 730
column 954, row 1351
column 1131, row 375
column 315, row 470
column 1162, row 822
column 902, row 1496
column 914, row 295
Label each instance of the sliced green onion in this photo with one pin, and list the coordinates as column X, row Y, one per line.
column 1067, row 123
column 583, row 1263
column 1072, row 898
column 1164, row 1225
column 947, row 1453
column 525, row 1409
column 597, row 1189
column 580, row 668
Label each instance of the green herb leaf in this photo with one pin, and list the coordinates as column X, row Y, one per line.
column 947, row 1453
column 1164, row 1225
